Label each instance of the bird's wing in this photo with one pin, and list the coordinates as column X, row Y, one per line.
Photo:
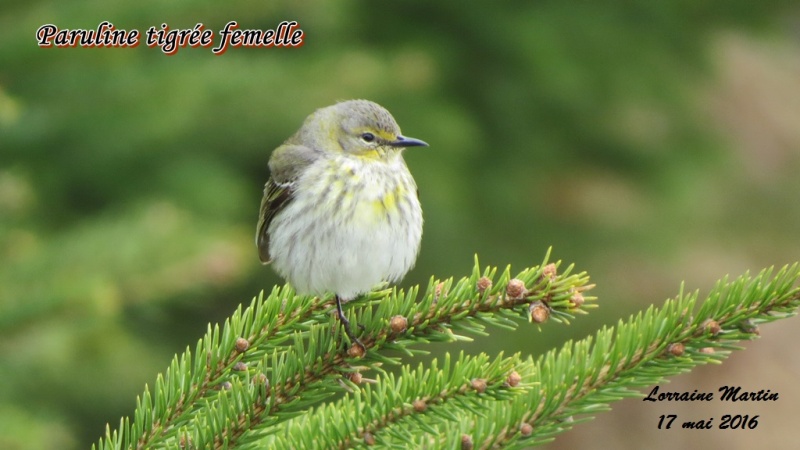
column 275, row 198
column 285, row 165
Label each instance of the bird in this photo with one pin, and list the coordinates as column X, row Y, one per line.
column 341, row 211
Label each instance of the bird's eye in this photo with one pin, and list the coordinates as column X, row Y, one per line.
column 368, row 137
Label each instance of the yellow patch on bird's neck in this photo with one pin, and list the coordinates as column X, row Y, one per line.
column 370, row 154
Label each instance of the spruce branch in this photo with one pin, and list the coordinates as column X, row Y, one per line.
column 253, row 381
column 276, row 358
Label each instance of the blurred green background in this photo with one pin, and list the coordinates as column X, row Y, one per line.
column 647, row 142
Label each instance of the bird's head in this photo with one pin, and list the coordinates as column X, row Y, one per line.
column 357, row 127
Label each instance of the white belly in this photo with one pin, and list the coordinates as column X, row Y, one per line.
column 347, row 244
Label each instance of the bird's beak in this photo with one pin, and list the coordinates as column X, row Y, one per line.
column 403, row 141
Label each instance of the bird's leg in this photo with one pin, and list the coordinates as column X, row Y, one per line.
column 346, row 324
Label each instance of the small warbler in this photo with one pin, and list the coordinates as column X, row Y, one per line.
column 340, row 211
